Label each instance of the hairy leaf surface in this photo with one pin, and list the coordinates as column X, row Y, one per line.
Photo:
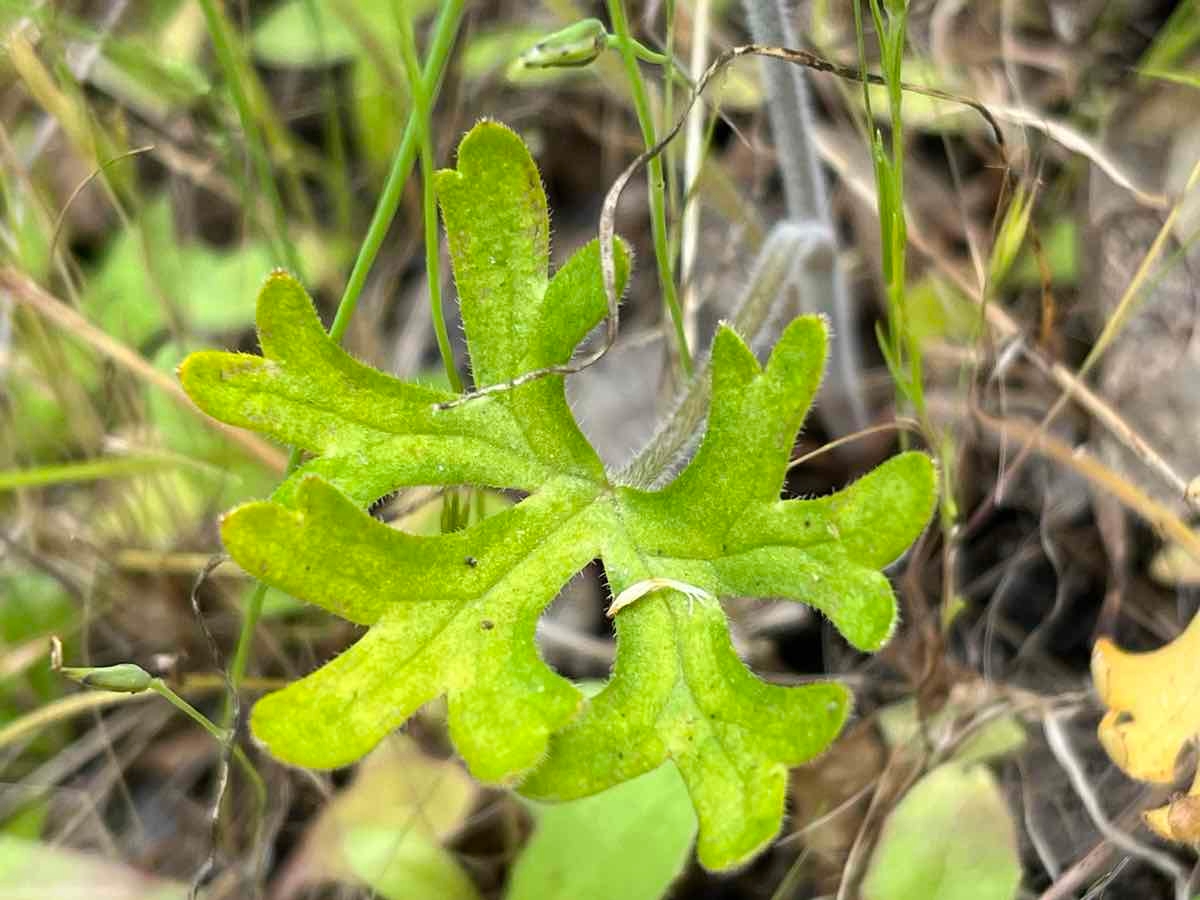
column 455, row 614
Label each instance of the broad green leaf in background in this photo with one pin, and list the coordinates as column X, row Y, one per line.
column 149, row 275
column 30, row 870
column 406, row 866
column 386, row 829
column 938, row 311
column 999, row 736
column 455, row 614
column 26, row 823
column 950, row 838
column 629, row 842
column 156, row 65
column 1060, row 251
column 320, row 32
column 33, row 606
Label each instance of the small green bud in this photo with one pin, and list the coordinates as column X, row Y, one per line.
column 126, row 678
column 573, row 47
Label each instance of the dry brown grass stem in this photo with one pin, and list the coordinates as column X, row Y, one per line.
column 898, row 424
column 1125, row 308
column 24, row 290
column 1162, row 519
column 1076, row 142
column 1005, row 330
column 165, row 562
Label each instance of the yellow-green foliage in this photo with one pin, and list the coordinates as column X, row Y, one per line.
column 455, row 614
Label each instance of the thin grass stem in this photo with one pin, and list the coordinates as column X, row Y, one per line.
column 421, row 117
column 656, row 187
column 445, row 32
column 232, row 67
column 92, row 470
column 158, row 686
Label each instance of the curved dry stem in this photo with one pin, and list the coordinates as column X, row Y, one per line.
column 608, row 210
column 1060, row 746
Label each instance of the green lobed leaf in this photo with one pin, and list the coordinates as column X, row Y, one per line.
column 455, row 614
column 370, row 433
column 374, row 434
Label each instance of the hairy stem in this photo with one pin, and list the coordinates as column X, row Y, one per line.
column 788, row 249
column 821, row 284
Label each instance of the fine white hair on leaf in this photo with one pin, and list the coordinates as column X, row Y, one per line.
column 636, row 591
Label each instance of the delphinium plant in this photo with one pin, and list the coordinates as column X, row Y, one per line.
column 454, row 615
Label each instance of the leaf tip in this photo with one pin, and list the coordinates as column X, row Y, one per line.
column 286, row 316
column 192, row 373
column 206, row 375
column 488, row 137
column 797, row 361
column 883, row 636
column 733, row 362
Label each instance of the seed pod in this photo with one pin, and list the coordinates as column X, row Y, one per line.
column 127, row 678
column 573, row 47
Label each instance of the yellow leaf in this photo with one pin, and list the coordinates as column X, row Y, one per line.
column 1153, row 702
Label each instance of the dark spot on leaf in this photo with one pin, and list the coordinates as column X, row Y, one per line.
column 487, row 624
column 471, row 561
